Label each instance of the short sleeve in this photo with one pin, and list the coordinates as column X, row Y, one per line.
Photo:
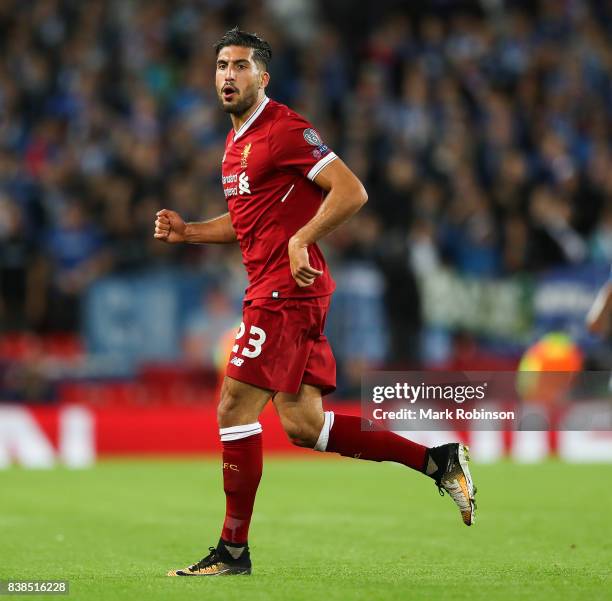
column 296, row 146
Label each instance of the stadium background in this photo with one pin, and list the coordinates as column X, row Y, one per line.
column 482, row 131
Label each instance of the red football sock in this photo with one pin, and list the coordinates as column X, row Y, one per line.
column 344, row 436
column 242, row 468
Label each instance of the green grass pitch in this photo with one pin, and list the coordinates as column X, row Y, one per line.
column 332, row 529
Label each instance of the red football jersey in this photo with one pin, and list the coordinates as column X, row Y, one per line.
column 267, row 173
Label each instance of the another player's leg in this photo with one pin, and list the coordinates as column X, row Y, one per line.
column 308, row 426
column 240, row 433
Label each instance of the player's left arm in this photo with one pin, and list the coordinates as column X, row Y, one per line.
column 345, row 196
column 599, row 316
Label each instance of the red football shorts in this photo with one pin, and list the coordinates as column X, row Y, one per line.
column 280, row 345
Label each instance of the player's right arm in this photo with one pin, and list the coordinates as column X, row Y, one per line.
column 170, row 228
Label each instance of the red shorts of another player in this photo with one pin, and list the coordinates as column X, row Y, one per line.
column 280, row 345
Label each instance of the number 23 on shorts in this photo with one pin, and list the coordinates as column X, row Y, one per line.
column 253, row 346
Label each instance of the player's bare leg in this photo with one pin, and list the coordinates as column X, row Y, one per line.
column 240, row 432
column 301, row 415
column 307, row 425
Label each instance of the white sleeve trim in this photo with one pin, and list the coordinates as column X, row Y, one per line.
column 324, row 435
column 318, row 166
column 238, row 432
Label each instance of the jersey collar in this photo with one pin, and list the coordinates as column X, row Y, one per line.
column 251, row 119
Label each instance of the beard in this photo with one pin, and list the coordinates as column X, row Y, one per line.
column 245, row 101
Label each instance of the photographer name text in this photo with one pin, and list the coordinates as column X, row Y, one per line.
column 442, row 415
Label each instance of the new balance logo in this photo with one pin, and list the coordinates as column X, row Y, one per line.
column 237, row 361
column 243, row 183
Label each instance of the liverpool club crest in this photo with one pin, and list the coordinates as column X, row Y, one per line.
column 245, row 155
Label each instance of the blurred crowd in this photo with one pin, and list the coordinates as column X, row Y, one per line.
column 483, row 132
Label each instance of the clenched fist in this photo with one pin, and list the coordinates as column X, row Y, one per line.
column 169, row 227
